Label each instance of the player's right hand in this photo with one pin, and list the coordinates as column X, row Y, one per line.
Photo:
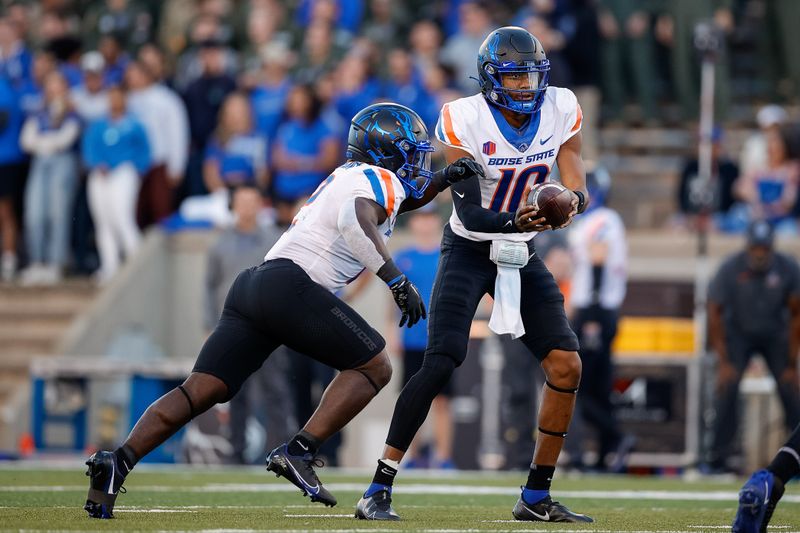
column 462, row 169
column 527, row 218
column 408, row 299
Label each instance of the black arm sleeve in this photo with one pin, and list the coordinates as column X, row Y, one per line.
column 467, row 202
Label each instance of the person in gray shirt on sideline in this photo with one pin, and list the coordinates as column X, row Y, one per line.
column 238, row 248
column 754, row 308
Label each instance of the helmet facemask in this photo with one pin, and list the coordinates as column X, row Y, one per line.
column 526, row 101
column 415, row 173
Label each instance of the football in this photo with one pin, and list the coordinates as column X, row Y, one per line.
column 553, row 201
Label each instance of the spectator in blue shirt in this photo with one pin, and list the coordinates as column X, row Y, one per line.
column 419, row 262
column 269, row 96
column 305, row 149
column 116, row 151
column 50, row 137
column 236, row 155
column 15, row 58
column 13, row 169
column 405, row 85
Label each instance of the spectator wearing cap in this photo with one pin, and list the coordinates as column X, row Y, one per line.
column 268, row 98
column 754, row 150
column 754, row 308
column 771, row 192
column 305, row 149
column 90, row 97
column 204, row 98
column 164, row 117
column 475, row 23
column 116, row 151
column 236, row 155
column 50, row 136
column 692, row 193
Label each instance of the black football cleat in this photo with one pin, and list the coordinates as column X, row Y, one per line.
column 546, row 510
column 299, row 469
column 105, row 483
column 377, row 506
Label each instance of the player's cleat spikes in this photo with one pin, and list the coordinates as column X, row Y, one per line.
column 546, row 510
column 105, row 482
column 377, row 506
column 300, row 471
column 757, row 501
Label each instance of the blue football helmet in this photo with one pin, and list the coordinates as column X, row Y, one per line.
column 513, row 50
column 394, row 137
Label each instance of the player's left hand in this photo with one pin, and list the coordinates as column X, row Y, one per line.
column 572, row 213
column 408, row 299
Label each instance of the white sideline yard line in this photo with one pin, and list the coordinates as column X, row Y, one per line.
column 455, row 490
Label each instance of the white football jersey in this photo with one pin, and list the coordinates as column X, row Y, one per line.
column 511, row 158
column 599, row 225
column 314, row 242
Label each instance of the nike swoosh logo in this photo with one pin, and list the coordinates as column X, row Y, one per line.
column 507, row 223
column 459, row 194
column 545, row 516
column 387, row 472
column 111, row 484
column 312, row 489
column 304, row 447
column 543, row 141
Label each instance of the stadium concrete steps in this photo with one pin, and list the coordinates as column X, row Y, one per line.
column 32, row 320
column 645, row 165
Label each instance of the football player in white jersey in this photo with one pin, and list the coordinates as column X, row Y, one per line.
column 289, row 300
column 517, row 128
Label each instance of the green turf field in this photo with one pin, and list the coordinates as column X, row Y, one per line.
column 182, row 499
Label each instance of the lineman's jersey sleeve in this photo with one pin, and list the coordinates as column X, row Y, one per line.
column 452, row 129
column 379, row 185
column 569, row 118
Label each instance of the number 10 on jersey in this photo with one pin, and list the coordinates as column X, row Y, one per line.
column 504, row 186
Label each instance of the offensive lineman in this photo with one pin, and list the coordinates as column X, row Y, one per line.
column 517, row 129
column 288, row 299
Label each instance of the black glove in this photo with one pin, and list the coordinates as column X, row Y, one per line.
column 459, row 170
column 407, row 298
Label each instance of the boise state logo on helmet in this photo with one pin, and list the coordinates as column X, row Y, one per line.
column 394, row 137
column 513, row 51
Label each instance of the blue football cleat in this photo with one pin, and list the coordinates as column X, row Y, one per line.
column 757, row 501
column 105, row 483
column 299, row 470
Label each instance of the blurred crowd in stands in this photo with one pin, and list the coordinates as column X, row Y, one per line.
column 114, row 112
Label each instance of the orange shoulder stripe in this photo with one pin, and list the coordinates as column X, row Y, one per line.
column 387, row 181
column 448, row 127
column 578, row 120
